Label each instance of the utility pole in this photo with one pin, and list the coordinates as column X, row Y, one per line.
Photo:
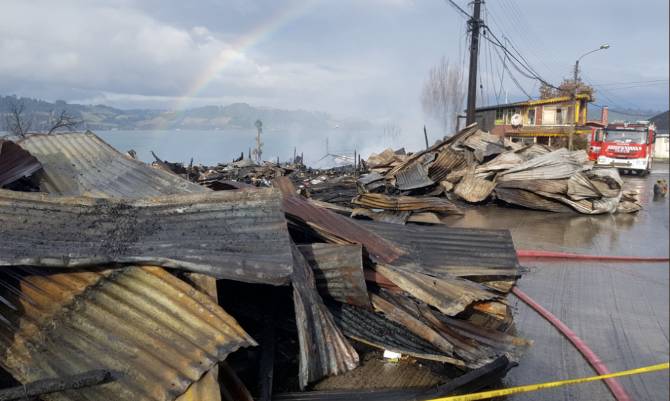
column 474, row 23
column 574, row 105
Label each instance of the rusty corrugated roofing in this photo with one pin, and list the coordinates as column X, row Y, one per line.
column 406, row 203
column 84, row 164
column 323, row 349
column 238, row 235
column 374, row 329
column 15, row 163
column 446, row 161
column 450, row 250
column 158, row 332
column 332, row 224
column 338, row 270
column 413, row 176
column 474, row 189
column 530, row 200
column 450, row 295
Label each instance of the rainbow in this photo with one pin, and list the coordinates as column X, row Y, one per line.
column 241, row 45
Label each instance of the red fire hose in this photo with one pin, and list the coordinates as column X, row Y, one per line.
column 525, row 253
column 613, row 384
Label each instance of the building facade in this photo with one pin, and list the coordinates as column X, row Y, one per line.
column 546, row 121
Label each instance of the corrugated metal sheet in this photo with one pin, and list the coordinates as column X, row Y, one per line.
column 386, row 216
column 323, row 349
column 587, row 206
column 333, row 225
column 406, row 203
column 239, row 235
column 414, row 176
column 451, row 141
column 431, row 325
column 484, row 144
column 553, row 186
column 503, row 161
column 530, row 200
column 412, row 323
column 555, row 165
column 15, row 163
column 374, row 329
column 158, row 332
column 450, row 295
column 83, row 164
column 446, row 161
column 473, row 189
column 338, row 270
column 580, row 187
column 607, row 180
column 437, row 250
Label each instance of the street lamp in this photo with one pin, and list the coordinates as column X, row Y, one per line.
column 604, row 46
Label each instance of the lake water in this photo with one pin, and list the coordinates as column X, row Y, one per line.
column 211, row 147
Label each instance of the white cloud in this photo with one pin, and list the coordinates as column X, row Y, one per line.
column 111, row 47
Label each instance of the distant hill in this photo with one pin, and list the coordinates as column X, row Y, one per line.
column 621, row 115
column 237, row 115
column 662, row 121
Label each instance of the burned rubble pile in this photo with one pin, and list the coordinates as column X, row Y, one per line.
column 180, row 292
column 473, row 167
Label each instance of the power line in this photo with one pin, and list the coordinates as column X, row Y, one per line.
column 621, row 112
column 458, row 8
column 632, row 86
column 529, row 72
column 631, row 82
column 511, row 76
column 524, row 31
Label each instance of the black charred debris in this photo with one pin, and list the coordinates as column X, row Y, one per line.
column 263, row 281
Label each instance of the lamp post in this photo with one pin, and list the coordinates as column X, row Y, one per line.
column 604, row 46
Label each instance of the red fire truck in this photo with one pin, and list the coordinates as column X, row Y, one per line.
column 626, row 146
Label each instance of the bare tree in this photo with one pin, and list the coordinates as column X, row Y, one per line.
column 443, row 94
column 62, row 120
column 16, row 122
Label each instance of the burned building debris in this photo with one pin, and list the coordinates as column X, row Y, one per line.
column 263, row 281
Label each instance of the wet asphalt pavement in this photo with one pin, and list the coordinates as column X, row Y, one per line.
column 620, row 309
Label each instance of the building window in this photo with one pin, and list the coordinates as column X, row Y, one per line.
column 499, row 115
column 559, row 116
column 531, row 116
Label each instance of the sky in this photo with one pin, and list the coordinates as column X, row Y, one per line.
column 351, row 58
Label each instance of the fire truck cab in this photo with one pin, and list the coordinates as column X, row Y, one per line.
column 626, row 146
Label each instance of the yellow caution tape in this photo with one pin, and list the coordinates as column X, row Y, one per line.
column 534, row 387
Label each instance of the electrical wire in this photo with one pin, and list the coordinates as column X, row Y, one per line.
column 458, row 8
column 630, row 83
column 511, row 76
column 519, row 65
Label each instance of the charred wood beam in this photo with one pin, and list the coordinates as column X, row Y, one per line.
column 48, row 386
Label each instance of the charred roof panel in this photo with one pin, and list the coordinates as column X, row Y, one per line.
column 448, row 250
column 15, row 163
column 156, row 331
column 338, row 270
column 240, row 235
column 323, row 349
column 374, row 329
column 333, row 224
column 84, row 164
